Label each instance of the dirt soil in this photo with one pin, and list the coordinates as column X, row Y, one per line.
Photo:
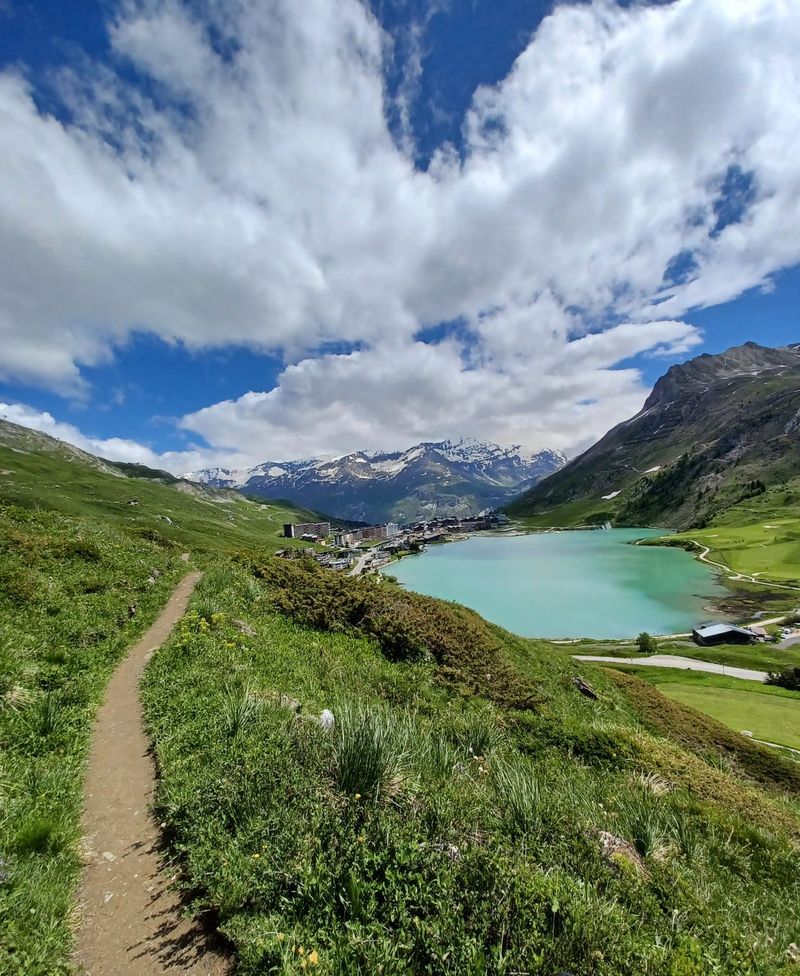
column 130, row 915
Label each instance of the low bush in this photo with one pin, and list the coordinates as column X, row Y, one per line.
column 407, row 626
column 646, row 643
column 788, row 678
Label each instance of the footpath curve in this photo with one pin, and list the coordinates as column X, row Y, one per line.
column 738, row 577
column 130, row 915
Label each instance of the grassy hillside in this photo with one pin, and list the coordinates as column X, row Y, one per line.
column 470, row 811
column 82, row 574
column 758, row 537
column 715, row 431
column 74, row 594
column 454, row 820
column 178, row 513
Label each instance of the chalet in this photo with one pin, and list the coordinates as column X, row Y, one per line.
column 710, row 634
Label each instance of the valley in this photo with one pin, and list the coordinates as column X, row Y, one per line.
column 353, row 777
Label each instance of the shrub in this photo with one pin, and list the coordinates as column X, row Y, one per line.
column 408, row 627
column 788, row 678
column 646, row 643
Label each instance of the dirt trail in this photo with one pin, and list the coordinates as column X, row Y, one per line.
column 130, row 917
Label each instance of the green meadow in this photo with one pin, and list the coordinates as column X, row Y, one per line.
column 461, row 808
column 82, row 574
column 452, row 818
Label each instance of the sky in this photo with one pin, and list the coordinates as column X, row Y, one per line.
column 234, row 231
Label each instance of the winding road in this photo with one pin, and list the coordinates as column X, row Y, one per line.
column 738, row 577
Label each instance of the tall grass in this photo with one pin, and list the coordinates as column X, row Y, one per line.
column 239, row 709
column 649, row 823
column 371, row 752
column 45, row 715
column 524, row 798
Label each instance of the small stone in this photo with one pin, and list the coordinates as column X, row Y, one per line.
column 615, row 848
column 243, row 628
column 327, row 720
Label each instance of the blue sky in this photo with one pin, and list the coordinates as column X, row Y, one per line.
column 271, row 233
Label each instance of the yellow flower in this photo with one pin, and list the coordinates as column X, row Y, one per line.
column 358, row 796
column 313, row 958
column 361, row 838
column 255, row 855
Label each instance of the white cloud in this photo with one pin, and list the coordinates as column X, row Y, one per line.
column 109, row 448
column 263, row 201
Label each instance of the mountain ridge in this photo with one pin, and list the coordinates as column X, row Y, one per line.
column 454, row 477
column 712, row 429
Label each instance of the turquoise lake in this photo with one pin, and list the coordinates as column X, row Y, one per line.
column 568, row 584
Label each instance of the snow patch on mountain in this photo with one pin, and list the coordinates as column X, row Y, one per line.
column 414, row 482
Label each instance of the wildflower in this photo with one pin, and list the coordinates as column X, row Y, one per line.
column 361, row 838
column 357, row 796
column 255, row 856
column 313, row 958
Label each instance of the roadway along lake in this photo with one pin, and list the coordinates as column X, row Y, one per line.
column 568, row 584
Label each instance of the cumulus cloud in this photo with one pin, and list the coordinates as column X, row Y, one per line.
column 256, row 196
column 110, row 448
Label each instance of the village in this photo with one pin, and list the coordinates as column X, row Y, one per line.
column 370, row 548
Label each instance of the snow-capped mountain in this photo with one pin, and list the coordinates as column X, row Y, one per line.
column 446, row 478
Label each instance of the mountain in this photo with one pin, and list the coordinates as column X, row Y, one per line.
column 714, row 431
column 445, row 478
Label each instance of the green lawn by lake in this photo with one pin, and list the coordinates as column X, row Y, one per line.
column 769, row 717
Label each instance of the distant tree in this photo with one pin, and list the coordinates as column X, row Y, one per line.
column 646, row 643
column 788, row 678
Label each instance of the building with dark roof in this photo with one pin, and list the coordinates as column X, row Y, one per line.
column 710, row 634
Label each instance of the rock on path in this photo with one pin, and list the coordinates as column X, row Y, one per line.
column 129, row 913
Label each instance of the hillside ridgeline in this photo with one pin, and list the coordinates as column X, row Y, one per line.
column 715, row 432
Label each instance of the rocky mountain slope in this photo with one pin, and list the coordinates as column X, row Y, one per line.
column 448, row 478
column 714, row 431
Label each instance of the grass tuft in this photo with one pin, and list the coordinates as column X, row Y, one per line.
column 372, row 758
column 239, row 710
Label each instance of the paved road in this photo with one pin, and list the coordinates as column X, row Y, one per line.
column 362, row 562
column 674, row 661
column 789, row 642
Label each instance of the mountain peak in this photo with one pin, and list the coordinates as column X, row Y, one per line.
column 749, row 359
column 457, row 476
